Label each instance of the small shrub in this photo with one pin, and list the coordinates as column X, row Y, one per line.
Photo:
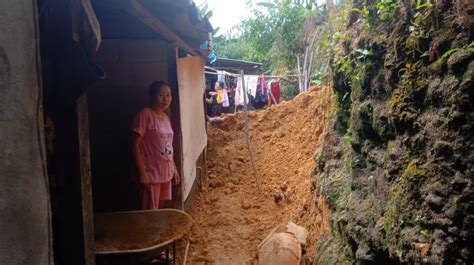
column 289, row 92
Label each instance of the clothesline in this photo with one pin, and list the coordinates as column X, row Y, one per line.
column 264, row 76
column 218, row 72
column 212, row 73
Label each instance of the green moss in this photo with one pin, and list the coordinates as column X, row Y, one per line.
column 361, row 126
column 383, row 126
column 407, row 101
column 400, row 211
column 456, row 98
column 342, row 92
column 412, row 171
column 360, row 79
column 438, row 66
column 343, row 110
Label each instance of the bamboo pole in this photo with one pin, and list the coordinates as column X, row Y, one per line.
column 307, row 72
column 308, row 83
column 247, row 132
column 305, row 69
column 300, row 84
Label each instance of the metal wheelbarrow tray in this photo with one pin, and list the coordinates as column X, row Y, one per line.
column 138, row 237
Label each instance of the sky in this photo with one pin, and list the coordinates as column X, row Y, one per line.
column 226, row 13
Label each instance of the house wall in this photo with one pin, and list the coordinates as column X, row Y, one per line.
column 24, row 199
column 130, row 66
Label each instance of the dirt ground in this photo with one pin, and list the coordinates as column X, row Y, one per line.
column 232, row 214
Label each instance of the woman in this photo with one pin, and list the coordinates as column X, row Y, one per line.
column 153, row 148
column 219, row 87
column 211, row 101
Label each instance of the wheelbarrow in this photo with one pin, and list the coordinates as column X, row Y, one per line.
column 139, row 237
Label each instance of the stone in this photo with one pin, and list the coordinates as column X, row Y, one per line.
column 434, row 202
column 457, row 62
column 424, row 248
column 215, row 183
column 246, row 205
column 235, row 181
column 443, row 149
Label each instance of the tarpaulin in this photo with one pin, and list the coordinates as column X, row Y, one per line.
column 191, row 83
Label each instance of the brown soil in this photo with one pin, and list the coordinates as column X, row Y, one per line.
column 232, row 215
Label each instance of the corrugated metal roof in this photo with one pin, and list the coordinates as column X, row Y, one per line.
column 236, row 65
column 180, row 16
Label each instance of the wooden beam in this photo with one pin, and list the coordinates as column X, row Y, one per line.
column 153, row 22
column 172, row 57
column 86, row 184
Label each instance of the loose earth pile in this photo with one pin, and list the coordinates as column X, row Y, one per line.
column 236, row 209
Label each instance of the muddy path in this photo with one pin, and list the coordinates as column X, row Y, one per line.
column 232, row 214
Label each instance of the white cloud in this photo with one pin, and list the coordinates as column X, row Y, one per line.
column 226, row 13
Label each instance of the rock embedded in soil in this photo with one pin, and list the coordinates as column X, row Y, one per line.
column 246, row 205
column 215, row 183
column 214, row 198
column 235, row 181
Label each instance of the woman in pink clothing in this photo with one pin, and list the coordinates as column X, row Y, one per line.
column 153, row 148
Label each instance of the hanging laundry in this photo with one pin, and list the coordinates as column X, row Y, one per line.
column 220, row 96
column 212, row 57
column 261, row 98
column 225, row 98
column 239, row 93
column 221, row 77
column 263, row 86
column 251, row 82
column 276, row 91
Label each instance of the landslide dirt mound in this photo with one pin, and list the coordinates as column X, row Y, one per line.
column 232, row 215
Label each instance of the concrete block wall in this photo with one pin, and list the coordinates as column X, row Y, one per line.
column 25, row 217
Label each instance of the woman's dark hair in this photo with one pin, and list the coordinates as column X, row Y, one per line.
column 221, row 84
column 155, row 87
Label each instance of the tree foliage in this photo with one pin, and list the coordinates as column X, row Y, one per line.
column 283, row 33
column 273, row 36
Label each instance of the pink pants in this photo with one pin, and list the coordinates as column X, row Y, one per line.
column 156, row 192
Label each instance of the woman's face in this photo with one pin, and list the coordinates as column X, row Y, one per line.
column 163, row 98
column 217, row 86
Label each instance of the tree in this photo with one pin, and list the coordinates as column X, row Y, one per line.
column 273, row 36
column 287, row 36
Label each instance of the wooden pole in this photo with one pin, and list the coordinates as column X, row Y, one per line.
column 299, row 74
column 305, row 69
column 247, row 132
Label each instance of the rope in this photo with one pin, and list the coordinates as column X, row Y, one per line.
column 262, row 76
